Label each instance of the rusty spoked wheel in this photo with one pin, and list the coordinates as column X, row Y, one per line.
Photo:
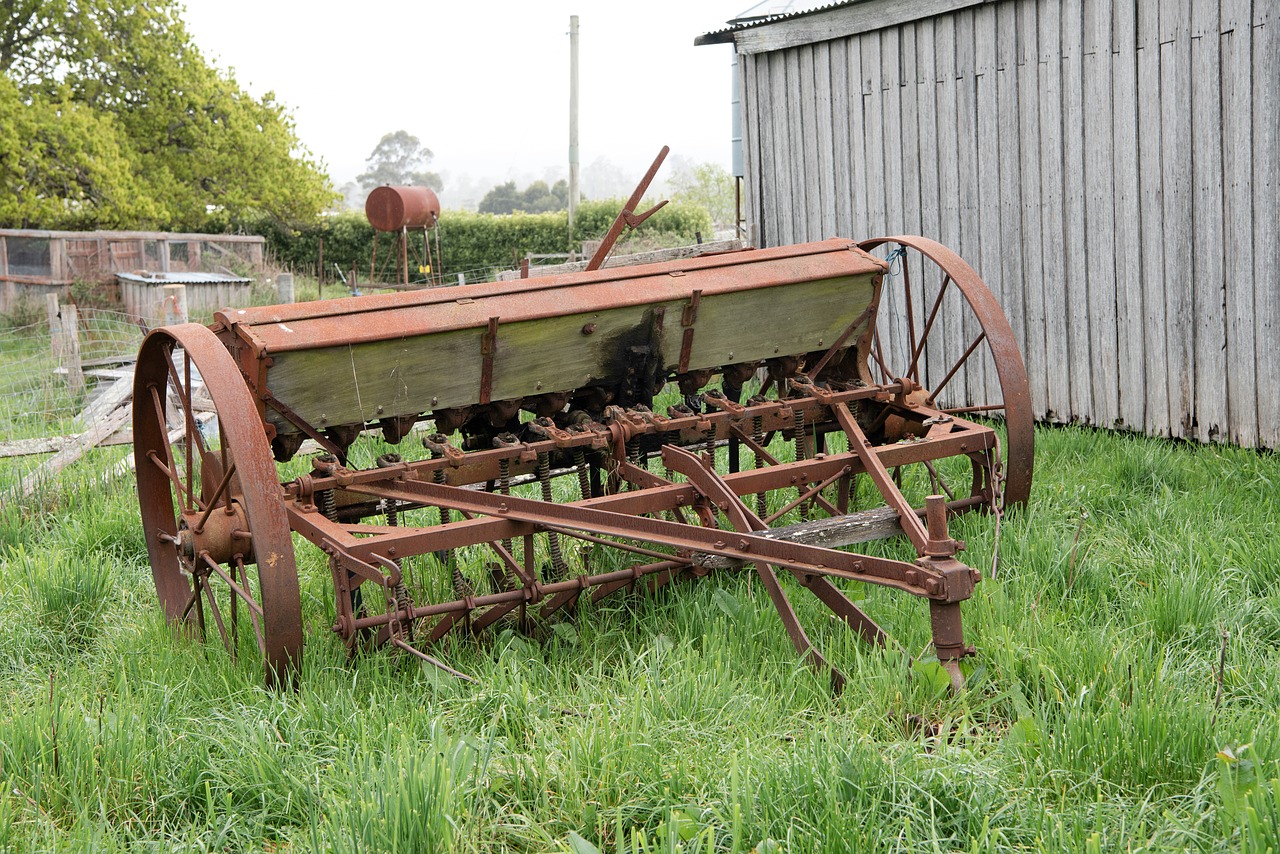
column 940, row 326
column 211, row 501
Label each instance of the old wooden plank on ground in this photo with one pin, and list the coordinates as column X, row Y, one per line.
column 75, row 450
column 106, row 401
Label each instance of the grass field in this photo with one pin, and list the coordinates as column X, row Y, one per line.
column 1126, row 697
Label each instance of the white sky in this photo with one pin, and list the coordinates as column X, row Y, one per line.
column 484, row 84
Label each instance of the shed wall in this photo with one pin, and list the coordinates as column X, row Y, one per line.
column 1109, row 168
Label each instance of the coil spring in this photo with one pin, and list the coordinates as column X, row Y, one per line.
column 757, row 436
column 584, row 476
column 802, row 453
column 553, row 540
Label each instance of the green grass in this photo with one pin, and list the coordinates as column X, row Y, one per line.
column 683, row 721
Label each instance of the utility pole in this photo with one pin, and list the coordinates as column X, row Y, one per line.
column 573, row 123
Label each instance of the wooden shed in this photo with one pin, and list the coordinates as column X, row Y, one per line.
column 34, row 262
column 1109, row 168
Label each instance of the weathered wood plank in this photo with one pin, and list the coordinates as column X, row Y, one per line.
column 1127, row 215
column 106, row 401
column 984, row 385
column 75, row 450
column 1030, row 254
column 857, row 142
column 893, row 319
column 1074, row 236
column 1179, row 239
column 751, row 124
column 1266, row 217
column 825, row 225
column 842, row 156
column 970, row 377
column 1150, row 179
column 1240, row 357
column 833, row 24
column 809, row 214
column 1209, row 330
column 779, row 200
column 365, row 382
column 950, row 201
column 873, row 132
column 911, row 159
column 796, row 149
column 911, row 154
column 927, row 111
column 1099, row 209
column 1057, row 327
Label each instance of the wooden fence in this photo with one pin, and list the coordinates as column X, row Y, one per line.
column 1110, row 168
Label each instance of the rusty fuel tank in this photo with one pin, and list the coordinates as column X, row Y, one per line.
column 393, row 208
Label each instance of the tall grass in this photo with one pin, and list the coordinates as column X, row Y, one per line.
column 1097, row 717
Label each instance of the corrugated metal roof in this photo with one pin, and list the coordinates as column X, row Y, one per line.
column 147, row 278
column 747, row 20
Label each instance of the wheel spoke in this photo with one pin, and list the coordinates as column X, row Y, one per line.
column 886, row 374
column 911, row 312
column 183, row 394
column 184, row 493
column 197, row 580
column 255, row 610
column 217, row 615
column 913, row 369
column 933, row 393
column 212, row 500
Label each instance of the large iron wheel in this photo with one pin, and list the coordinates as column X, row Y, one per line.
column 940, row 326
column 211, row 504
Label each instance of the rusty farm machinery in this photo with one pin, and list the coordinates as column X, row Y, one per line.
column 590, row 432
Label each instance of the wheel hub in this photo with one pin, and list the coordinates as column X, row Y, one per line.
column 223, row 535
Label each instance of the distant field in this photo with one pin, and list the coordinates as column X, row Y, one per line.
column 1096, row 717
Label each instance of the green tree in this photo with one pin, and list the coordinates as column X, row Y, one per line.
column 61, row 162
column 399, row 158
column 536, row 198
column 157, row 136
column 707, row 185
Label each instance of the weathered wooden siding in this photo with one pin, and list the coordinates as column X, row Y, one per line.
column 1108, row 167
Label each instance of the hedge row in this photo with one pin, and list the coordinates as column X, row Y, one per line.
column 470, row 243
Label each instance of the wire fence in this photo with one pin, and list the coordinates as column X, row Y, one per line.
column 37, row 396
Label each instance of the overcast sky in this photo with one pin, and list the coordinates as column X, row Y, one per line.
column 484, row 85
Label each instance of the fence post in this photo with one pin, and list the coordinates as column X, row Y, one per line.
column 284, row 287
column 174, row 306
column 71, row 347
column 64, row 339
